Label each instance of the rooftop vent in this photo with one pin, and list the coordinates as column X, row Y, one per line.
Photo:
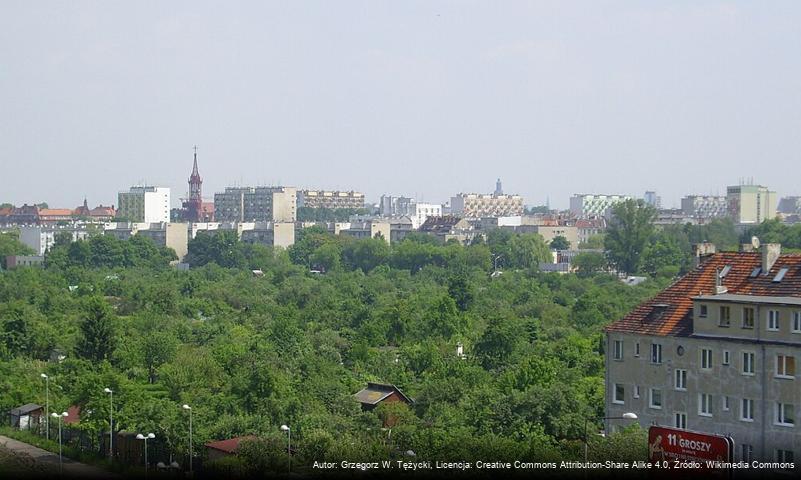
column 719, row 287
column 725, row 271
column 770, row 253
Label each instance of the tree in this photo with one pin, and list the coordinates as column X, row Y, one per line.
column 527, row 250
column 97, row 340
column 559, row 243
column 588, row 264
column 629, row 230
column 10, row 245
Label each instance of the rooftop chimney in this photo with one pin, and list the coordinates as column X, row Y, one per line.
column 702, row 251
column 770, row 253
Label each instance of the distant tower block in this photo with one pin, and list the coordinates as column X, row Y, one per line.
column 498, row 188
column 193, row 207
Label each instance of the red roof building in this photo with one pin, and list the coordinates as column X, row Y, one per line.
column 716, row 352
column 224, row 448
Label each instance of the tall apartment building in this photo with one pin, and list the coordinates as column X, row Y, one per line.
column 163, row 234
column 146, row 204
column 716, row 352
column 584, row 205
column 705, row 206
column 751, row 204
column 330, row 199
column 417, row 212
column 652, row 199
column 790, row 205
column 41, row 238
column 256, row 204
column 478, row 205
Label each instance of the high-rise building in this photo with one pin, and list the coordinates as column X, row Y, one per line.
column 652, row 199
column 751, row 204
column 417, row 212
column 716, row 352
column 146, row 204
column 790, row 205
column 256, row 204
column 589, row 205
column 705, row 206
column 330, row 199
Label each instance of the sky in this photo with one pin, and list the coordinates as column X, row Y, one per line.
column 419, row 98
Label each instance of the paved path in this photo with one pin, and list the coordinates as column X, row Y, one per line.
column 49, row 460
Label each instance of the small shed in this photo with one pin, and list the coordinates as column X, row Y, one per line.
column 225, row 448
column 27, row 416
column 376, row 393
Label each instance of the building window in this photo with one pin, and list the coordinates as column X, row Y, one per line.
column 785, row 366
column 725, row 316
column 704, row 408
column 637, row 349
column 681, row 379
column 680, row 420
column 655, row 398
column 726, row 357
column 703, row 312
column 746, row 452
column 773, row 320
column 784, row 414
column 796, row 322
column 785, row 456
column 748, row 363
column 747, row 410
column 636, row 391
column 748, row 317
column 726, row 403
column 656, row 353
column 620, row 394
column 618, row 350
column 706, row 358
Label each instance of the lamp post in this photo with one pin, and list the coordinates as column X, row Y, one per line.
column 110, row 423
column 187, row 407
column 495, row 262
column 288, row 431
column 625, row 416
column 59, row 416
column 147, row 437
column 47, row 405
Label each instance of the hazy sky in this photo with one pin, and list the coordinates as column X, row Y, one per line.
column 424, row 98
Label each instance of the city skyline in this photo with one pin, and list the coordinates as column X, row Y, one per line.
column 423, row 99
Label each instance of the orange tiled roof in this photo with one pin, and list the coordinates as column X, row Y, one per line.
column 55, row 212
column 669, row 313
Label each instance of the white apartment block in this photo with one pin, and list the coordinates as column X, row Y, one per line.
column 145, row 204
column 717, row 352
column 40, row 239
column 589, row 205
column 751, row 204
column 477, row 205
column 705, row 206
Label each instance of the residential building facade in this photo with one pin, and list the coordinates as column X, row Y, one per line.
column 589, row 205
column 705, row 206
column 477, row 205
column 330, row 199
column 145, row 204
column 716, row 352
column 256, row 204
column 751, row 204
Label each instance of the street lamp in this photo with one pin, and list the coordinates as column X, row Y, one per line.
column 625, row 416
column 288, row 431
column 147, row 437
column 47, row 404
column 187, row 407
column 59, row 416
column 110, row 423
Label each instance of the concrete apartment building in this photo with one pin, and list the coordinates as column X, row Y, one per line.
column 478, row 205
column 163, row 234
column 751, row 204
column 790, row 205
column 274, row 234
column 705, row 206
column 330, row 199
column 368, row 229
column 146, row 204
column 583, row 205
column 40, row 239
column 256, row 204
column 417, row 212
column 716, row 352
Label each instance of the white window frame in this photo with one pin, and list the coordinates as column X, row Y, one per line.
column 749, row 410
column 637, row 349
column 726, row 403
column 706, row 359
column 680, row 420
column 781, row 416
column 703, row 311
column 651, row 403
column 615, row 399
column 636, row 391
column 704, row 405
column 797, row 322
column 680, row 379
column 781, row 366
column 774, row 319
column 724, row 322
column 782, row 455
column 752, row 364
column 726, row 357
column 656, row 353
column 617, row 348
